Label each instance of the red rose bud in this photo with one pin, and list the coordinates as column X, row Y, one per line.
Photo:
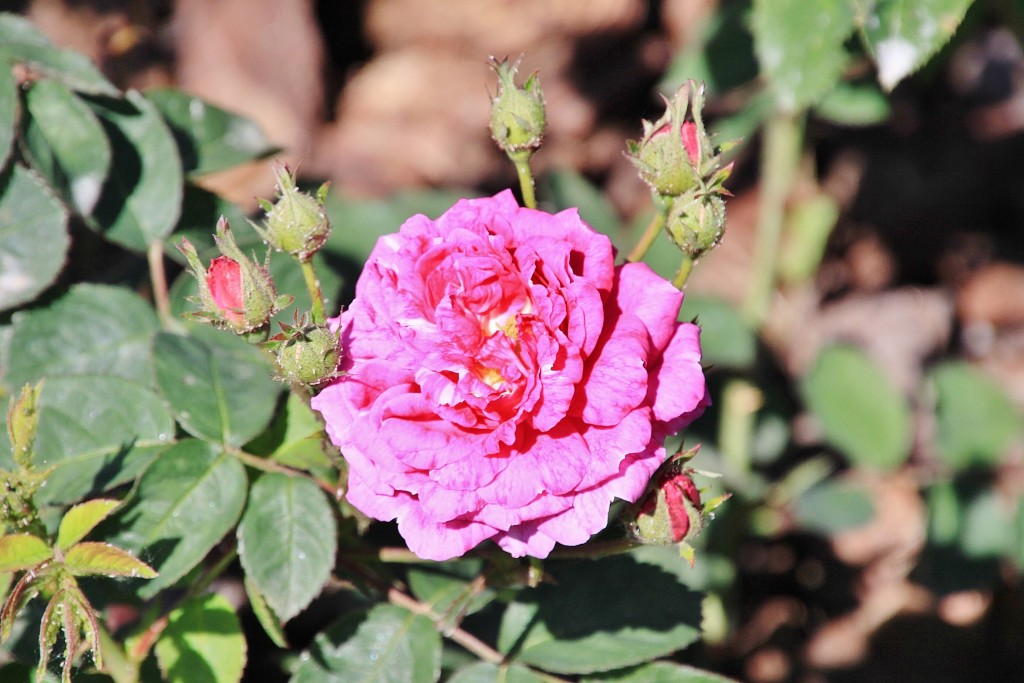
column 296, row 222
column 675, row 155
column 235, row 292
column 517, row 114
column 672, row 512
column 308, row 354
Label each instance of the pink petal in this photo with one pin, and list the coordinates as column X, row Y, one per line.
column 616, row 381
column 677, row 384
column 651, row 298
column 525, row 539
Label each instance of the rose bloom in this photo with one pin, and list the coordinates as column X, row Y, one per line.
column 504, row 380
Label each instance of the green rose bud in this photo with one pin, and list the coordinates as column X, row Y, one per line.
column 296, row 222
column 308, row 354
column 696, row 223
column 517, row 114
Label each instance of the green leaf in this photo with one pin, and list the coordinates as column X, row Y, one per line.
column 726, row 339
column 93, row 329
column 833, row 506
column 83, row 518
column 96, row 432
column 268, row 620
column 659, row 672
column 902, row 35
column 22, row 551
column 209, row 138
column 8, row 112
column 859, row 410
column 852, row 104
column 976, row 420
column 203, row 643
column 294, row 438
column 141, row 203
column 186, row 502
column 200, row 211
column 385, row 645
column 988, row 526
column 105, row 559
column 22, row 43
column 287, row 540
column 448, row 588
column 33, row 238
column 218, row 386
column 485, row 672
column 66, row 143
column 567, row 189
column 645, row 612
column 799, row 45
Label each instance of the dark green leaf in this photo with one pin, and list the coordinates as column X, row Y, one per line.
column 200, row 211
column 203, row 643
column 903, row 34
column 976, row 420
column 859, row 410
column 21, row 42
column 83, row 518
column 718, row 51
column 799, row 44
column 8, row 112
column 268, row 620
column 295, row 439
column 449, row 588
column 186, row 502
column 22, row 551
column 988, row 526
column 218, row 386
column 833, row 506
column 659, row 672
column 90, row 557
column 141, row 203
column 485, row 672
column 385, row 645
column 93, row 329
column 96, row 432
column 726, row 339
column 287, row 540
column 66, row 143
column 33, row 238
column 645, row 612
column 209, row 138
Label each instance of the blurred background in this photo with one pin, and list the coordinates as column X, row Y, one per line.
column 903, row 241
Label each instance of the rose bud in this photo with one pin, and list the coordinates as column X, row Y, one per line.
column 308, row 354
column 517, row 114
column 297, row 222
column 235, row 292
column 696, row 223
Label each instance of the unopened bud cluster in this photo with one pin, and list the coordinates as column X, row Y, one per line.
column 676, row 159
column 306, row 353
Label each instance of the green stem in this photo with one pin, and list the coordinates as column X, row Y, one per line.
column 650, row 234
column 595, row 550
column 522, row 164
column 780, row 156
column 683, row 274
column 158, row 281
column 740, row 402
column 315, row 295
column 267, row 465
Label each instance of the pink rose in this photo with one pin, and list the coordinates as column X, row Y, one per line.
column 224, row 278
column 504, row 380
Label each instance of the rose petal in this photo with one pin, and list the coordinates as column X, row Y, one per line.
column 677, row 383
column 616, row 380
column 651, row 298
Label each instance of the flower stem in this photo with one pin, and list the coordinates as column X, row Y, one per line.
column 740, row 402
column 315, row 295
column 267, row 465
column 522, row 164
column 683, row 274
column 595, row 550
column 115, row 663
column 158, row 281
column 650, row 234
column 780, row 155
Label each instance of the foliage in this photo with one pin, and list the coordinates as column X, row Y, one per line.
column 163, row 454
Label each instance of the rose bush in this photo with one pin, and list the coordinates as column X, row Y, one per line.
column 505, row 380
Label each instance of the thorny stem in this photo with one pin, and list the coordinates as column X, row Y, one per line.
column 315, row 295
column 780, row 157
column 158, row 280
column 650, row 233
column 522, row 164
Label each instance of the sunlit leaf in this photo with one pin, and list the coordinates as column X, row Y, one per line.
column 22, row 551
column 202, row 643
column 103, row 558
column 485, row 672
column 81, row 519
